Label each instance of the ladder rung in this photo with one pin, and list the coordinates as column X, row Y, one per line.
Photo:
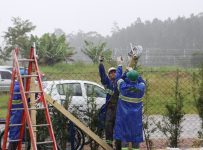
column 41, row 125
column 33, row 92
column 14, row 140
column 40, row 108
column 25, row 60
column 17, row 109
column 26, row 76
column 29, row 92
column 15, row 125
column 46, row 142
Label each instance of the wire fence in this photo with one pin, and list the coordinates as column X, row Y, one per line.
column 163, row 88
column 170, row 113
column 166, row 57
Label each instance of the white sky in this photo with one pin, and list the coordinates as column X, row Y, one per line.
column 91, row 15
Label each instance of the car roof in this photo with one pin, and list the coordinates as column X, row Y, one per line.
column 5, row 66
column 5, row 70
column 8, row 68
column 72, row 81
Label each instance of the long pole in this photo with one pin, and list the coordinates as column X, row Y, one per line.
column 32, row 105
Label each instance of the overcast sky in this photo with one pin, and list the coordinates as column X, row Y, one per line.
column 92, row 15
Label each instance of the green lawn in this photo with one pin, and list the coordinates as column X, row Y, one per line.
column 161, row 91
column 3, row 105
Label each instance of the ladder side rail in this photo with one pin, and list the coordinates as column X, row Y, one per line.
column 25, row 104
column 9, row 106
column 22, row 130
column 23, row 119
column 47, row 116
column 28, row 80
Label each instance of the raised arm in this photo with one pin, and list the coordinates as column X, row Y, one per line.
column 102, row 74
column 119, row 72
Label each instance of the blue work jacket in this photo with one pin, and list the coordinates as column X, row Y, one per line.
column 111, row 90
column 128, row 125
column 109, row 85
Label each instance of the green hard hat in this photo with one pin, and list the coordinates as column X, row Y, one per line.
column 132, row 75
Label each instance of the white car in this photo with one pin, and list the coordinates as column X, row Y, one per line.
column 5, row 79
column 80, row 92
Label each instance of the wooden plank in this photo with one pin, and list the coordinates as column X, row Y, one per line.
column 32, row 105
column 78, row 123
column 130, row 146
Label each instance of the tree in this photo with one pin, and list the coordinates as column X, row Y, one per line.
column 115, row 28
column 93, row 51
column 59, row 32
column 1, row 56
column 17, row 36
column 54, row 49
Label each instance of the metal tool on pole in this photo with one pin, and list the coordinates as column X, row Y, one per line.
column 134, row 55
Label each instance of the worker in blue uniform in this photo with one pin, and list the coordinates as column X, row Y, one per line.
column 16, row 115
column 128, row 124
column 108, row 110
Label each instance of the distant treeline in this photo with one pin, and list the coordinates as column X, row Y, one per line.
column 181, row 33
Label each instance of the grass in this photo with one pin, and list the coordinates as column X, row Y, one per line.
column 3, row 105
column 162, row 91
column 78, row 67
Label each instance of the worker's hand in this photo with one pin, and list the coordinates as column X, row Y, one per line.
column 132, row 53
column 120, row 61
column 101, row 58
column 129, row 68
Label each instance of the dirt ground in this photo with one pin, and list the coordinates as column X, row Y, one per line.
column 161, row 144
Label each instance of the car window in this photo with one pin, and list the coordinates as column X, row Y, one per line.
column 5, row 75
column 93, row 90
column 73, row 88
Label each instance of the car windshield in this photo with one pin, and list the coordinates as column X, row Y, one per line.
column 72, row 89
column 93, row 90
column 5, row 75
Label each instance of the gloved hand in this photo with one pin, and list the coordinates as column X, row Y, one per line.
column 120, row 61
column 129, row 68
column 101, row 58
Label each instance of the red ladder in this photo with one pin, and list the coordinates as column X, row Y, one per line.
column 25, row 91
